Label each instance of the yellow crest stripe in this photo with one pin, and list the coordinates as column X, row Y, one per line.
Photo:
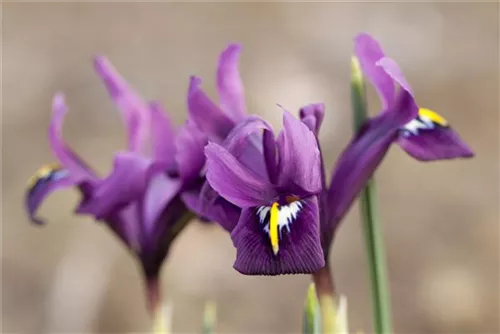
column 42, row 173
column 273, row 227
column 433, row 116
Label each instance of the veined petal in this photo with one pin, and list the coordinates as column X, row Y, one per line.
column 429, row 137
column 312, row 116
column 206, row 114
column 190, row 155
column 299, row 157
column 299, row 241
column 126, row 183
column 78, row 170
column 163, row 135
column 233, row 181
column 229, row 85
column 369, row 52
column 46, row 180
column 361, row 157
column 135, row 112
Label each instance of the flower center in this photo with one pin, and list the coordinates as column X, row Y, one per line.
column 276, row 217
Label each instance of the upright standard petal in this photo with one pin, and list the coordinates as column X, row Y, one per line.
column 369, row 52
column 46, row 180
column 312, row 116
column 190, row 156
column 429, row 137
column 78, row 170
column 296, row 227
column 245, row 143
column 163, row 135
column 206, row 114
column 360, row 159
column 233, row 181
column 299, row 157
column 229, row 85
column 391, row 68
column 134, row 110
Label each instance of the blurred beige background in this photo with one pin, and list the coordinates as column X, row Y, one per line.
column 441, row 220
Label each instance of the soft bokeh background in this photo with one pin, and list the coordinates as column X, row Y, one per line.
column 441, row 220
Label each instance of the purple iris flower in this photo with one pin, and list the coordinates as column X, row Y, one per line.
column 428, row 136
column 140, row 200
column 278, row 229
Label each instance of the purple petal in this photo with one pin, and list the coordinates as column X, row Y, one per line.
column 438, row 143
column 361, row 157
column 163, row 135
column 392, row 69
column 126, row 183
column 244, row 142
column 220, row 211
column 135, row 112
column 233, row 181
column 299, row 158
column 270, row 155
column 299, row 248
column 78, row 170
column 312, row 116
column 229, row 85
column 45, row 181
column 206, row 114
column 160, row 192
column 369, row 52
column 190, row 155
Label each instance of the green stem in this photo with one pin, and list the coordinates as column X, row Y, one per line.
column 371, row 223
column 325, row 291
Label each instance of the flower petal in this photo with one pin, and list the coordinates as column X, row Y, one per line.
column 126, row 183
column 392, row 69
column 244, row 142
column 369, row 52
column 135, row 112
column 160, row 191
column 361, row 157
column 46, row 180
column 438, row 143
column 299, row 247
column 78, row 170
column 312, row 116
column 233, row 181
column 163, row 135
column 220, row 211
column 206, row 114
column 190, row 155
column 229, row 85
column 299, row 158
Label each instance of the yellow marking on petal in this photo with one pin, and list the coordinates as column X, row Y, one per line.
column 273, row 227
column 42, row 172
column 433, row 116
